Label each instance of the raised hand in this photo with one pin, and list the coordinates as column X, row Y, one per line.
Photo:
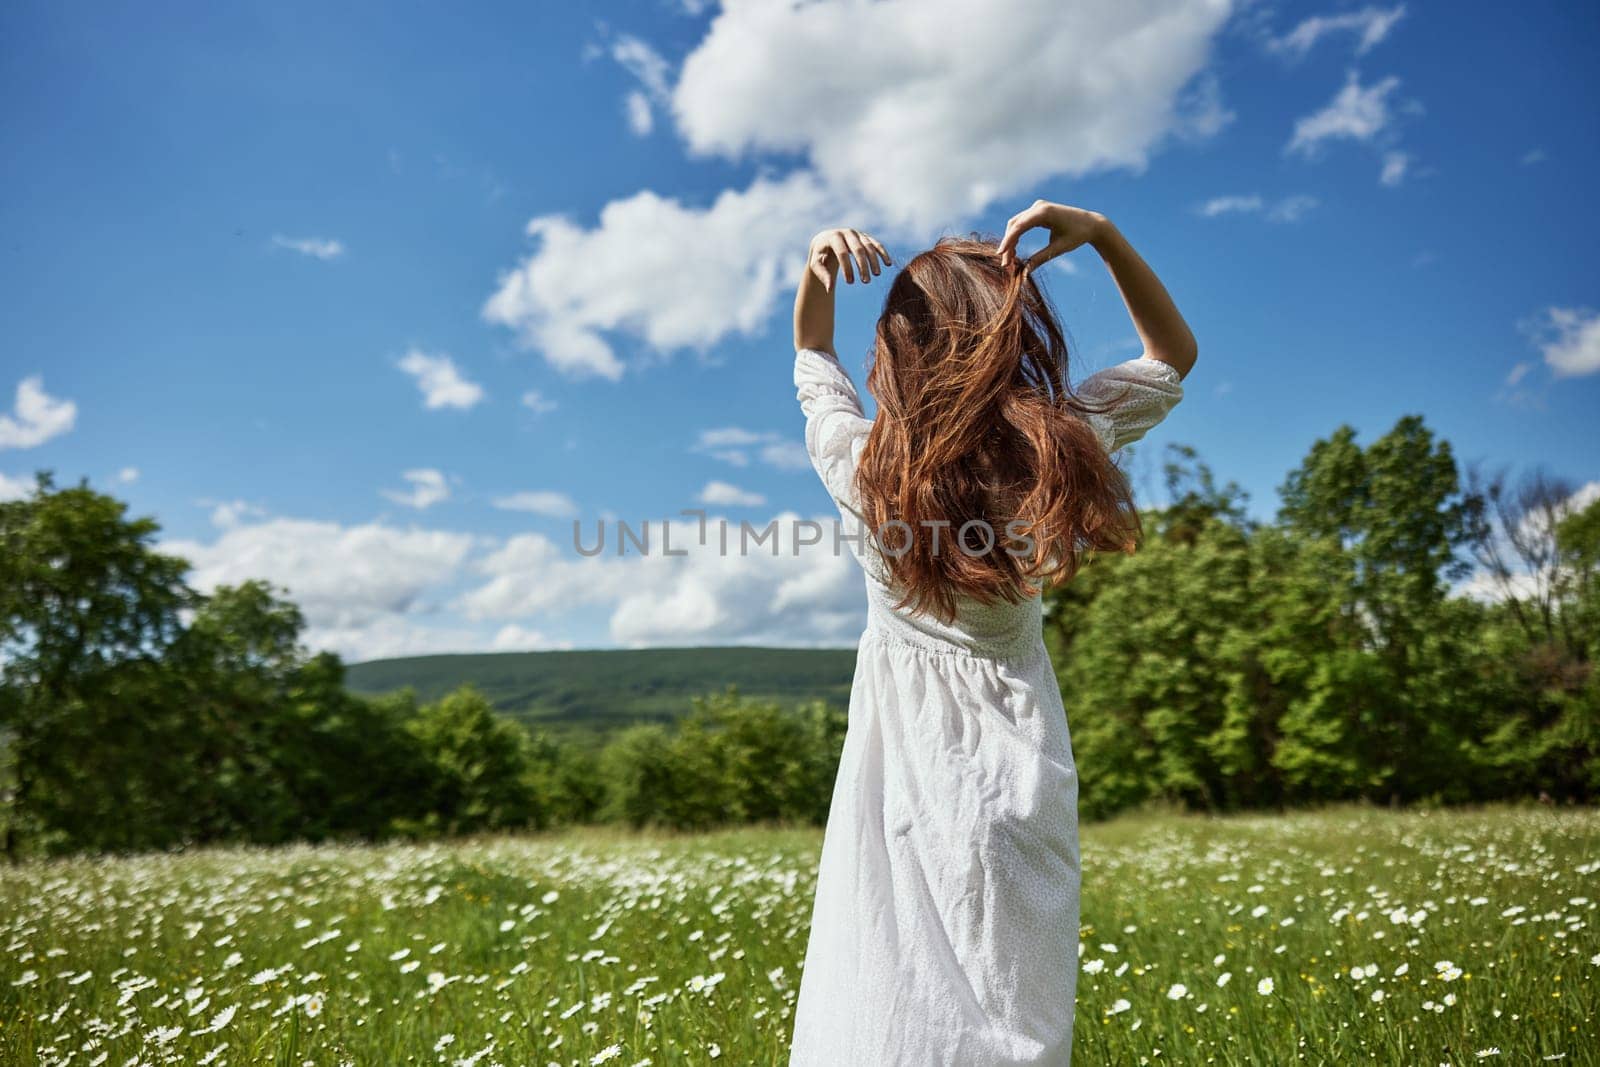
column 860, row 256
column 1069, row 228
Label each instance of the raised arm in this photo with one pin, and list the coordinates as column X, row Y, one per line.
column 861, row 256
column 1161, row 328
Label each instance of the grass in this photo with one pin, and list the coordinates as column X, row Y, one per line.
column 1422, row 937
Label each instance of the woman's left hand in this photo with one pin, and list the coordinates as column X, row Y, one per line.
column 858, row 253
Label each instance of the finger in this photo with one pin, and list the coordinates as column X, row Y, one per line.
column 857, row 249
column 1019, row 224
column 820, row 269
column 875, row 253
column 1016, row 226
column 870, row 247
column 841, row 249
column 882, row 251
column 1048, row 252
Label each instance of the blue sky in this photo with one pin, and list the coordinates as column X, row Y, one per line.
column 374, row 301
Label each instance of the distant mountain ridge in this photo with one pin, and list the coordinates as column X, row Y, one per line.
column 605, row 688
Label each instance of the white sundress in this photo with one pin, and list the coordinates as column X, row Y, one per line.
column 945, row 925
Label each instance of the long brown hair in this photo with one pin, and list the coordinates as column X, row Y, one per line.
column 977, row 423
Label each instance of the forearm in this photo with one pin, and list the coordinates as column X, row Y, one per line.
column 813, row 313
column 1156, row 318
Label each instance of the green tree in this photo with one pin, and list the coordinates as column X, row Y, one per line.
column 478, row 765
column 87, row 612
column 1397, row 508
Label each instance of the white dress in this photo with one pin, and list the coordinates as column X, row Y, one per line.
column 945, row 925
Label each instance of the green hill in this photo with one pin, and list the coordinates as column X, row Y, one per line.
column 606, row 688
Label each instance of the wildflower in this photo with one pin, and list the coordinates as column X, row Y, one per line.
column 1264, row 986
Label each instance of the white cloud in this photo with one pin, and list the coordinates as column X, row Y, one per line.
column 924, row 114
column 1394, row 168
column 1533, row 156
column 725, row 494
column 731, row 437
column 529, row 575
column 128, row 475
column 514, row 638
column 937, row 108
column 315, row 247
column 440, row 381
column 395, row 635
column 1536, row 525
column 1518, row 372
column 428, row 487
column 1286, row 209
column 767, row 594
column 1229, row 205
column 1291, row 208
column 226, row 513
column 647, row 65
column 1356, row 113
column 676, row 276
column 1581, row 498
column 1370, row 25
column 734, row 445
column 343, row 578
column 640, row 118
column 537, row 402
column 15, row 488
column 36, row 417
column 1569, row 340
column 787, row 455
column 644, row 63
column 377, row 590
column 539, row 502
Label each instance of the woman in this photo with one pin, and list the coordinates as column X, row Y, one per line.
column 945, row 925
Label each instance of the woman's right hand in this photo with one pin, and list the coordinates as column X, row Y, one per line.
column 1070, row 227
column 834, row 248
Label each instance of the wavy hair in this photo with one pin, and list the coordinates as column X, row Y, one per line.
column 977, row 424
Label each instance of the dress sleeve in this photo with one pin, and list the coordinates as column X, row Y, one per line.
column 1144, row 390
column 836, row 426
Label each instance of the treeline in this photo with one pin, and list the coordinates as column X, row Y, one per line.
column 1228, row 664
column 137, row 713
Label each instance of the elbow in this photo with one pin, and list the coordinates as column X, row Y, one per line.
column 1184, row 358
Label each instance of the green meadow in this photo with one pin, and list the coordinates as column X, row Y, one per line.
column 1348, row 935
